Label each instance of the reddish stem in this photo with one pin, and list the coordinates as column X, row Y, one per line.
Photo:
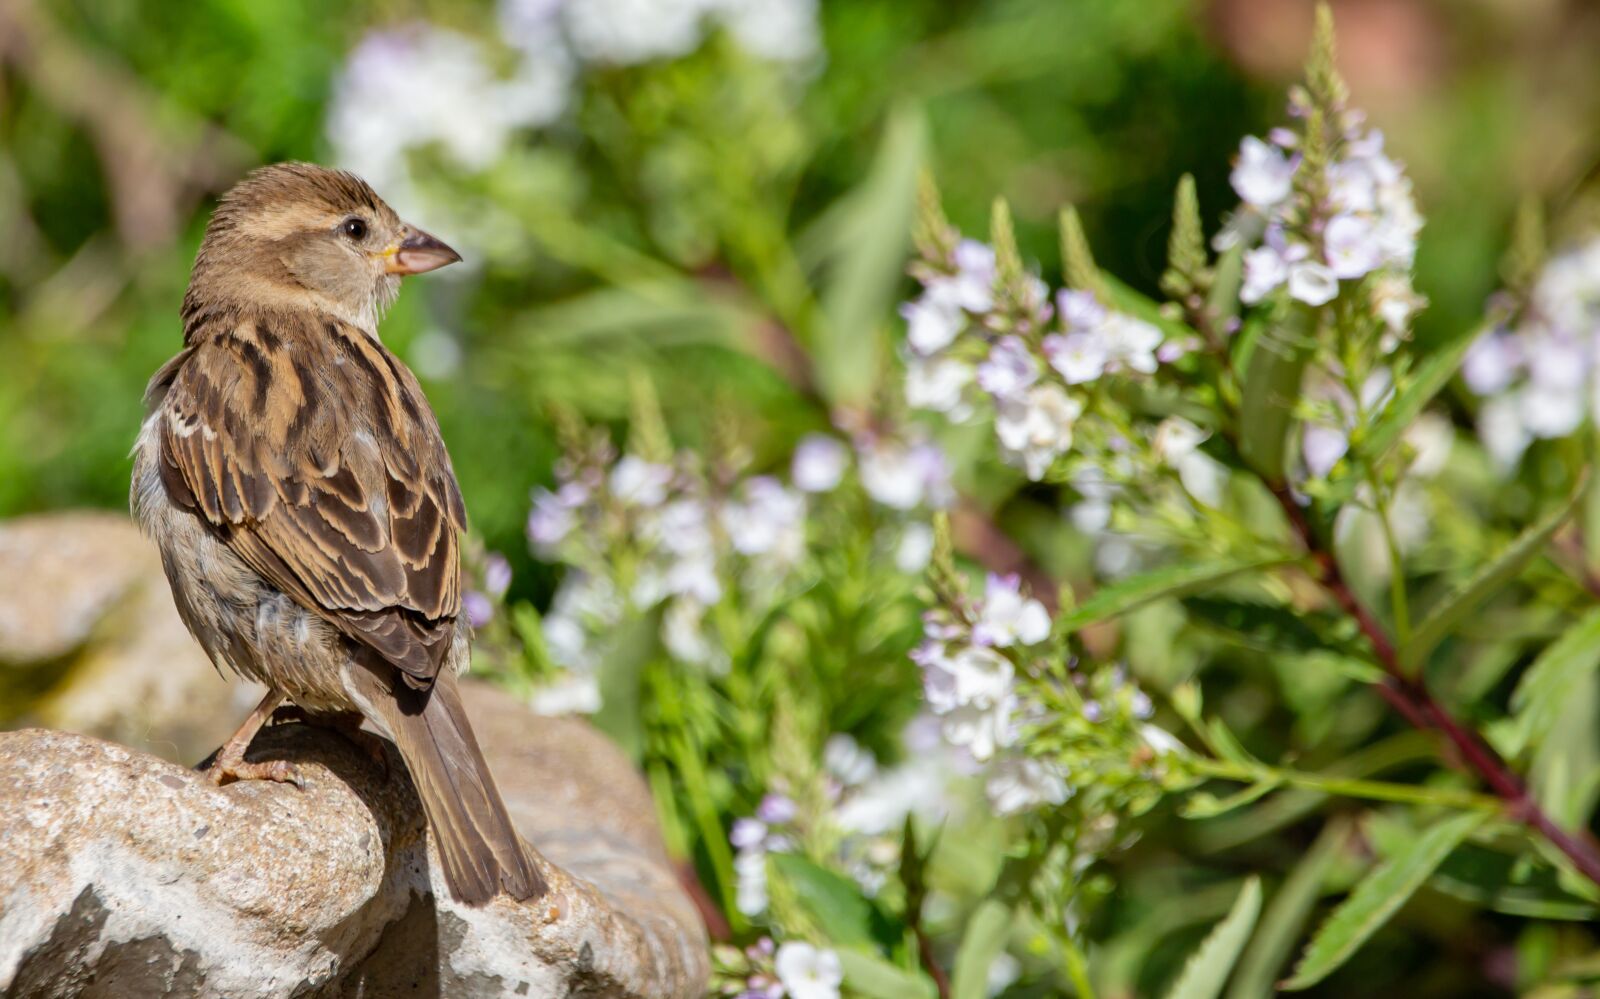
column 1409, row 696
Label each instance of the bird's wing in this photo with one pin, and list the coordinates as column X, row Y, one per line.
column 312, row 452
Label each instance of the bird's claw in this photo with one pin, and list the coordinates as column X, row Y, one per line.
column 225, row 771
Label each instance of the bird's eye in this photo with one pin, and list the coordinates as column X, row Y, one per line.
column 355, row 228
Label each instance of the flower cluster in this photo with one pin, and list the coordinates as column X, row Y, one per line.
column 793, row 969
column 1537, row 366
column 858, row 822
column 1328, row 207
column 420, row 85
column 641, row 533
column 975, row 333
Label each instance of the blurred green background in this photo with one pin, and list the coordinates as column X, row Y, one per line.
column 641, row 227
column 687, row 204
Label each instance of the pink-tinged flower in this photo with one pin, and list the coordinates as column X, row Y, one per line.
column 819, row 463
column 1080, row 310
column 478, row 607
column 1312, row 283
column 1007, row 617
column 496, row 574
column 1350, row 245
column 1352, row 187
column 637, row 482
column 1262, row 176
column 1264, row 270
column 1009, row 369
column 1321, row 447
column 747, row 833
column 1077, row 357
column 553, row 515
column 776, row 809
column 1502, row 431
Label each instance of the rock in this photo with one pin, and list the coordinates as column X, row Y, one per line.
column 125, row 875
column 92, row 643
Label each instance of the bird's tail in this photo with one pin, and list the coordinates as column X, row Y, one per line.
column 479, row 847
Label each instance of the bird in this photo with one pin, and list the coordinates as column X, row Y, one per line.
column 295, row 480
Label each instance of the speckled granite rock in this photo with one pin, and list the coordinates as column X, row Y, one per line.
column 124, row 875
column 89, row 633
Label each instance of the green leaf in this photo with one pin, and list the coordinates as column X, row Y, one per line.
column 1427, row 381
column 1207, row 969
column 980, row 945
column 875, row 978
column 1272, row 388
column 1226, row 277
column 1287, row 912
column 1488, row 581
column 835, row 903
column 1506, row 883
column 1168, row 581
column 1204, row 805
column 1544, row 690
column 1076, row 258
column 1262, row 626
column 620, row 671
column 1377, row 897
column 864, row 277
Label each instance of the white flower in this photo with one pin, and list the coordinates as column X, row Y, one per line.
column 625, row 32
column 750, row 873
column 780, row 30
column 1262, row 175
column 1350, row 245
column 1203, row 477
column 1176, row 439
column 1130, row 342
column 915, row 787
column 1009, row 370
column 552, row 517
column 848, row 760
column 1396, row 301
column 974, row 279
column 572, row 694
column 637, row 482
column 819, row 463
column 1502, row 431
column 902, row 477
column 1550, row 410
column 807, row 972
column 684, row 636
column 1007, row 617
column 1312, row 283
column 978, row 728
column 1321, row 447
column 767, row 519
column 1431, row 439
column 1162, row 741
column 1352, row 187
column 911, row 555
column 1492, row 363
column 934, row 320
column 939, row 384
column 1264, row 270
column 747, row 833
column 1080, row 311
column 1078, row 357
column 982, row 676
column 1038, row 428
column 1018, row 783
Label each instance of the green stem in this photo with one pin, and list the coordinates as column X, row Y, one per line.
column 1349, row 787
column 1397, row 578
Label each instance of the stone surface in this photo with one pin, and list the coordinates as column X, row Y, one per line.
column 90, row 640
column 124, row 875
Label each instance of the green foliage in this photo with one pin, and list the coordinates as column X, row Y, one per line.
column 1207, row 970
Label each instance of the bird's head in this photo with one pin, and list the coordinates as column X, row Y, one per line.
column 299, row 234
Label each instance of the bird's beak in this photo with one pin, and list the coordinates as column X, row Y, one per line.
column 416, row 253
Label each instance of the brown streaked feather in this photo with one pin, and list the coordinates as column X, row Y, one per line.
column 310, row 449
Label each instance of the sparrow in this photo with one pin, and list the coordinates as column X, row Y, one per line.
column 295, row 480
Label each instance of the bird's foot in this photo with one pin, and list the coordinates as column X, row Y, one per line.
column 229, row 767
